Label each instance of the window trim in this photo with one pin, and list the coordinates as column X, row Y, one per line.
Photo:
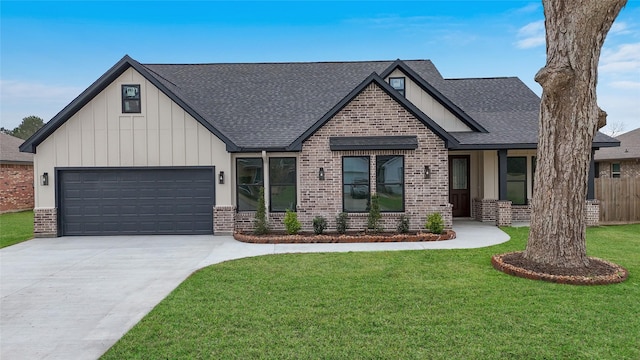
column 343, row 184
column 295, row 184
column 125, row 100
column 402, row 183
column 404, row 84
column 525, row 181
column 616, row 174
column 238, row 180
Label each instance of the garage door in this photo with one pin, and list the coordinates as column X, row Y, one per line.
column 127, row 201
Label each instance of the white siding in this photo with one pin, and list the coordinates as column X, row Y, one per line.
column 100, row 135
column 428, row 105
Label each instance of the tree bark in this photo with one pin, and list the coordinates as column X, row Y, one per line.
column 569, row 119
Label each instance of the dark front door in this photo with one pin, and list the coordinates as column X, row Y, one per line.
column 459, row 188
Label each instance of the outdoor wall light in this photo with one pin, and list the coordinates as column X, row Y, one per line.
column 321, row 174
column 427, row 172
column 44, row 179
column 221, row 177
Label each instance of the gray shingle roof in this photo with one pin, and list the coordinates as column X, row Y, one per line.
column 9, row 150
column 267, row 104
column 629, row 147
column 272, row 106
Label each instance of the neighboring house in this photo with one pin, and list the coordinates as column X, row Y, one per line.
column 16, row 176
column 620, row 162
column 185, row 148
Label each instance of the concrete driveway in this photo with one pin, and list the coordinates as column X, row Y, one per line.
column 74, row 297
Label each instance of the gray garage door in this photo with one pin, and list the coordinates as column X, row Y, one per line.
column 127, row 201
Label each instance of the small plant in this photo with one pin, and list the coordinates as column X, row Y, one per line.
column 373, row 221
column 342, row 222
column 291, row 223
column 435, row 224
column 319, row 225
column 403, row 224
column 260, row 224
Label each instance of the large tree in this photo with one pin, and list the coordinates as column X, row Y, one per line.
column 569, row 120
column 28, row 127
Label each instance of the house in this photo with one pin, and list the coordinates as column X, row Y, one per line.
column 185, row 148
column 620, row 162
column 16, row 176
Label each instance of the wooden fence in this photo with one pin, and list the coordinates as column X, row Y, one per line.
column 619, row 199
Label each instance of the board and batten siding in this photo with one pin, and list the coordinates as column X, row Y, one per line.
column 100, row 135
column 430, row 106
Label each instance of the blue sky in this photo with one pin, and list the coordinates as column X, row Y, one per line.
column 51, row 51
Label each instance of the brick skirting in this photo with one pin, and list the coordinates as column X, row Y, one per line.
column 45, row 222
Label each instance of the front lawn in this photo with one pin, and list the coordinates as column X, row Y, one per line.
column 15, row 228
column 433, row 304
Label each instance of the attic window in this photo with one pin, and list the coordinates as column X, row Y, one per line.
column 131, row 99
column 398, row 84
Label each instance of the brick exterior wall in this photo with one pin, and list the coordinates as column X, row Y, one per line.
column 373, row 113
column 485, row 210
column 16, row 187
column 628, row 168
column 504, row 215
column 45, row 222
column 223, row 220
column 521, row 212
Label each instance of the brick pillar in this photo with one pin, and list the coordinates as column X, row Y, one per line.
column 223, row 220
column 592, row 213
column 504, row 213
column 45, row 222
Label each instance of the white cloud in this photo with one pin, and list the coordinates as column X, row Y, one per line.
column 624, row 58
column 625, row 85
column 531, row 35
column 620, row 28
column 22, row 98
column 14, row 90
column 530, row 8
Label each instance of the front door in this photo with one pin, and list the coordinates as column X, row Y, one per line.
column 459, row 187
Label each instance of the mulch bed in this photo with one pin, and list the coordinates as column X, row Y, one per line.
column 310, row 238
column 599, row 272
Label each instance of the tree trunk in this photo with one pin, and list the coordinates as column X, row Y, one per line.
column 569, row 119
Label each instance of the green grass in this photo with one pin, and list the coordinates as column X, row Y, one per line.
column 15, row 228
column 433, row 304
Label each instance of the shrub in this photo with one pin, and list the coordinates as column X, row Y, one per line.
column 373, row 221
column 319, row 225
column 342, row 222
column 260, row 224
column 435, row 224
column 403, row 224
column 291, row 223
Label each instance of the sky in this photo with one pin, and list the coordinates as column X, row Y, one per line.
column 51, row 51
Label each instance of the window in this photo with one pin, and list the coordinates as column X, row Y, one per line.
column 615, row 170
column 282, row 184
column 398, row 84
column 355, row 184
column 249, row 180
column 517, row 180
column 390, row 182
column 131, row 99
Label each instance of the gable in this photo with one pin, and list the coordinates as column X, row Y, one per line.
column 429, row 105
column 390, row 95
column 99, row 134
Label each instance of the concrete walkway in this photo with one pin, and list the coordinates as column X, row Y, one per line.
column 74, row 297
